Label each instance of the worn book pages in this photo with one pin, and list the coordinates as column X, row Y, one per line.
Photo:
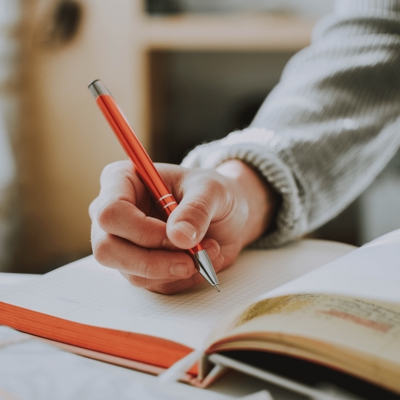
column 345, row 315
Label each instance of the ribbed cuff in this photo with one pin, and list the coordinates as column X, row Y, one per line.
column 252, row 147
column 370, row 7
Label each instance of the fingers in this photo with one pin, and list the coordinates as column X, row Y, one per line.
column 150, row 264
column 128, row 235
column 116, row 209
column 172, row 286
column 125, row 220
column 118, row 253
column 203, row 201
column 165, row 287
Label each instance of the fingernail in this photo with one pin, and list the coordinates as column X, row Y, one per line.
column 211, row 251
column 166, row 243
column 186, row 228
column 179, row 270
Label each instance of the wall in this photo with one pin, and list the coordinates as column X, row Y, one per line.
column 10, row 16
column 379, row 205
column 65, row 141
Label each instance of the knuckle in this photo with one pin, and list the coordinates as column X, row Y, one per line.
column 212, row 186
column 147, row 270
column 164, row 288
column 215, row 186
column 200, row 209
column 135, row 280
column 143, row 235
column 106, row 215
column 110, row 212
column 147, row 267
column 101, row 250
column 113, row 167
column 92, row 208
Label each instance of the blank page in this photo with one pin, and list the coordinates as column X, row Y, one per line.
column 372, row 271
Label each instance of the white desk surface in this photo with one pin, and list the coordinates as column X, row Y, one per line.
column 33, row 370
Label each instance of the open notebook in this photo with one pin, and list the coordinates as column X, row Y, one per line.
column 94, row 309
column 344, row 315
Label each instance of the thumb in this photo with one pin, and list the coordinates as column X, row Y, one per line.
column 189, row 222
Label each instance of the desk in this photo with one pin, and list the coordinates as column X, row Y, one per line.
column 34, row 368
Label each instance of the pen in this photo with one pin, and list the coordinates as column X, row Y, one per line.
column 147, row 171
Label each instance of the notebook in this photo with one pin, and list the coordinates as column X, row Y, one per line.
column 311, row 300
column 92, row 307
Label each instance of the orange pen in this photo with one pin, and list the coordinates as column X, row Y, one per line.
column 146, row 170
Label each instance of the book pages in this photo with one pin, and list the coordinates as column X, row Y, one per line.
column 372, row 271
column 357, row 336
column 345, row 314
column 89, row 293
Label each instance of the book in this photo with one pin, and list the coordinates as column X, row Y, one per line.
column 319, row 301
column 31, row 369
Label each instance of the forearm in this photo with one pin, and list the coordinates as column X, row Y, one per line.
column 337, row 107
column 331, row 124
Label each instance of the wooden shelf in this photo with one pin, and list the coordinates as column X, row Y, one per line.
column 226, row 32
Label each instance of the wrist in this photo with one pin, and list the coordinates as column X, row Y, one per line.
column 261, row 198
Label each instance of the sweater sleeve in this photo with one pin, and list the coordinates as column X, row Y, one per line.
column 330, row 125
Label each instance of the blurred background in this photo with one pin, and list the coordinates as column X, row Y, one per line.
column 183, row 71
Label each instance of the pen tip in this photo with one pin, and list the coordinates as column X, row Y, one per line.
column 216, row 288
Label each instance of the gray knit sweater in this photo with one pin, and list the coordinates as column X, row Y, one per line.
column 331, row 124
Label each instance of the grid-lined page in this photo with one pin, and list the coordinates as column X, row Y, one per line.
column 88, row 293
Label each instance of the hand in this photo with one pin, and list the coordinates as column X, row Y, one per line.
column 226, row 209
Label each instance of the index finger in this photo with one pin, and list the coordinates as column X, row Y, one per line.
column 118, row 211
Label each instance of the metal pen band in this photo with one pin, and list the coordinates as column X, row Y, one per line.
column 166, row 201
column 165, row 196
column 170, row 204
column 98, row 88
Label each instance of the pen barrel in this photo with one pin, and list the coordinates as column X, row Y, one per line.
column 134, row 149
column 138, row 155
column 167, row 203
column 196, row 249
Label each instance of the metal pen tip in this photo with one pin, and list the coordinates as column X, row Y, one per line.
column 206, row 269
column 216, row 287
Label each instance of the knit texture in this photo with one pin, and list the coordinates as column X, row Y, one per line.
column 330, row 125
